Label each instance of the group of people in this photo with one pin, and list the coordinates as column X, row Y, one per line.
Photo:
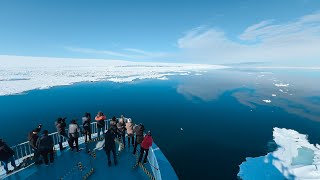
column 119, row 129
column 43, row 145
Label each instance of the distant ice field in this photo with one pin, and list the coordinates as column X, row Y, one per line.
column 19, row 74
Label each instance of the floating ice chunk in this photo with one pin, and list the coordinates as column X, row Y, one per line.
column 181, row 129
column 266, row 101
column 295, row 158
column 273, row 95
column 197, row 74
column 281, row 85
column 281, row 90
column 163, row 78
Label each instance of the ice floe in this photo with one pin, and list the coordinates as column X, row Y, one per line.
column 281, row 85
column 273, row 95
column 295, row 158
column 19, row 74
column 266, row 101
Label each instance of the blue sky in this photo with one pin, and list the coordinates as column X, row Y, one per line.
column 216, row 32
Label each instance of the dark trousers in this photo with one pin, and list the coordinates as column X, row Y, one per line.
column 73, row 140
column 130, row 139
column 122, row 136
column 36, row 156
column 5, row 163
column 108, row 152
column 62, row 136
column 135, row 146
column 87, row 134
column 142, row 150
column 45, row 154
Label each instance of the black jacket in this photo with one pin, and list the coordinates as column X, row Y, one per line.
column 5, row 152
column 139, row 133
column 45, row 143
column 109, row 137
column 61, row 127
column 33, row 138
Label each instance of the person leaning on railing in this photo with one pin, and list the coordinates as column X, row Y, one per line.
column 6, row 156
column 61, row 129
column 139, row 130
column 33, row 137
column 100, row 122
column 121, row 126
column 45, row 146
column 86, row 124
column 129, row 127
column 145, row 145
column 74, row 135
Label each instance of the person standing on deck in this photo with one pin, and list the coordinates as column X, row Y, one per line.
column 145, row 145
column 100, row 118
column 121, row 126
column 61, row 129
column 110, row 145
column 45, row 146
column 6, row 156
column 33, row 138
column 129, row 127
column 139, row 130
column 86, row 123
column 113, row 124
column 74, row 135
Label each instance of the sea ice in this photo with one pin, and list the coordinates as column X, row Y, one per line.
column 19, row 74
column 281, row 85
column 273, row 95
column 295, row 158
column 266, row 101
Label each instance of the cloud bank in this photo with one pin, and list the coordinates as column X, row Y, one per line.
column 295, row 42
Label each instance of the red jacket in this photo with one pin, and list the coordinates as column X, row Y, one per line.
column 147, row 142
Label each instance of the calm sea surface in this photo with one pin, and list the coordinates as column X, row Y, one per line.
column 221, row 113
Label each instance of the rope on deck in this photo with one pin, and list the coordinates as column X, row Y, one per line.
column 145, row 170
column 86, row 176
column 79, row 166
column 93, row 154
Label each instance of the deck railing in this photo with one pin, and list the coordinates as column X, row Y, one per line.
column 24, row 150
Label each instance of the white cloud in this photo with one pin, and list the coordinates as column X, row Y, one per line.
column 129, row 53
column 95, row 51
column 296, row 41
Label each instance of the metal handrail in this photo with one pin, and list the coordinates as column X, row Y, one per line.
column 24, row 150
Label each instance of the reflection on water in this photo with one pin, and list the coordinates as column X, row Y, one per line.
column 294, row 91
